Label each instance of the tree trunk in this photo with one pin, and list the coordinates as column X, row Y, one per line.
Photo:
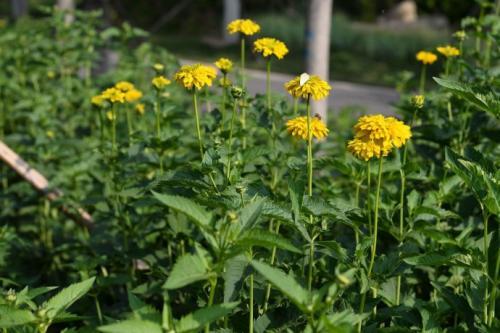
column 318, row 46
column 69, row 7
column 232, row 11
column 19, row 8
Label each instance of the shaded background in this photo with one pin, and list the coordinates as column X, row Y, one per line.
column 362, row 48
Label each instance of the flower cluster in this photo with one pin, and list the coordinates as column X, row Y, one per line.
column 195, row 76
column 160, row 82
column 376, row 136
column 121, row 92
column 448, row 51
column 224, row 64
column 269, row 47
column 305, row 86
column 427, row 58
column 297, row 127
column 245, row 26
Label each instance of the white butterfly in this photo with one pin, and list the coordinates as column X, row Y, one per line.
column 304, row 77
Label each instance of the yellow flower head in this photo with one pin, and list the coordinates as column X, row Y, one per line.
column 124, row 86
column 224, row 64
column 427, row 58
column 418, row 101
column 97, row 100
column 244, row 26
column 133, row 95
column 448, row 51
column 270, row 46
column 196, row 76
column 113, row 95
column 140, row 108
column 160, row 82
column 305, row 86
column 158, row 68
column 376, row 136
column 297, row 127
column 399, row 133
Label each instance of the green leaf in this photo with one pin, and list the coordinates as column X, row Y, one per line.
column 132, row 326
column 195, row 321
column 250, row 214
column 264, row 238
column 233, row 276
column 66, row 297
column 193, row 210
column 188, row 269
column 459, row 305
column 296, row 191
column 284, row 283
column 142, row 310
column 10, row 317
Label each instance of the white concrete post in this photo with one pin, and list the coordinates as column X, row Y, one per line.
column 69, row 6
column 318, row 46
column 232, row 11
column 19, row 8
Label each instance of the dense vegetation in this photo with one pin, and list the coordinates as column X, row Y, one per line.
column 232, row 240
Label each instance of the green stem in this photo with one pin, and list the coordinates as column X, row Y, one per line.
column 224, row 97
column 197, row 116
column 295, row 105
column 98, row 309
column 158, row 128
column 129, row 125
column 311, row 264
column 213, row 286
column 422, row 79
column 486, row 266
column 250, row 320
column 273, row 258
column 493, row 295
column 268, row 84
column 233, row 116
column 375, row 222
column 450, row 114
column 368, row 199
column 309, row 149
column 242, row 55
column 113, row 129
column 447, row 67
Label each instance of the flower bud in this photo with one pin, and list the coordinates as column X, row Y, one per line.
column 237, row 92
column 418, row 101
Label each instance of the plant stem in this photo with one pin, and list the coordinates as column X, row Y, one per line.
column 250, row 320
column 493, row 294
column 243, row 86
column 422, row 79
column 311, row 264
column 197, row 117
column 268, row 84
column 295, row 105
column 450, row 115
column 375, row 222
column 309, row 149
column 224, row 96
column 368, row 201
column 213, row 286
column 273, row 257
column 158, row 128
column 129, row 124
column 113, row 129
column 233, row 116
column 242, row 56
column 486, row 266
column 401, row 218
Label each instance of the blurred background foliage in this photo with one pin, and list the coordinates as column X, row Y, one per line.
column 361, row 50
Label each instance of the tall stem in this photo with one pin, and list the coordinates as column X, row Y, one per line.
column 311, row 264
column 158, row 128
column 401, row 218
column 268, row 84
column 295, row 105
column 113, row 129
column 273, row 258
column 197, row 116
column 250, row 320
column 375, row 221
column 230, row 143
column 224, row 96
column 242, row 55
column 422, row 79
column 309, row 148
column 213, row 286
column 486, row 266
column 129, row 124
column 368, row 199
column 243, row 85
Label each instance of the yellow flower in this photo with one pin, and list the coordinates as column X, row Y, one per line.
column 140, row 108
column 270, row 46
column 97, row 100
column 158, row 67
column 196, row 76
column 418, row 101
column 427, row 58
column 224, row 64
column 110, row 115
column 244, row 26
column 399, row 133
column 364, row 150
column 133, row 95
column 448, row 51
column 298, row 128
column 225, row 82
column 124, row 86
column 376, row 136
column 160, row 82
column 305, row 86
column 113, row 95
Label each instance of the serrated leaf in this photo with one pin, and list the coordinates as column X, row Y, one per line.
column 66, row 297
column 11, row 317
column 196, row 212
column 188, row 269
column 195, row 321
column 132, row 326
column 142, row 310
column 264, row 238
column 250, row 214
column 284, row 283
column 233, row 276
